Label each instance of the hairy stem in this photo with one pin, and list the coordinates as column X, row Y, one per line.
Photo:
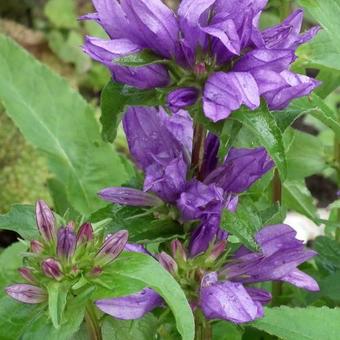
column 198, row 149
column 92, row 323
column 203, row 329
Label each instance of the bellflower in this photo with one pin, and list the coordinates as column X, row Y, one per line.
column 225, row 294
column 211, row 50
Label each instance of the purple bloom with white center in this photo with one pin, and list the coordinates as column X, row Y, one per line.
column 225, row 294
column 199, row 40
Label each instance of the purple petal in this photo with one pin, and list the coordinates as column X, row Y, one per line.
column 241, row 169
column 45, row 221
column 66, row 242
column 131, row 307
column 259, row 295
column 154, row 23
column 228, row 301
column 26, row 293
column 226, row 92
column 263, row 59
column 200, row 200
column 182, row 98
column 210, row 160
column 129, row 196
column 301, row 280
column 136, row 248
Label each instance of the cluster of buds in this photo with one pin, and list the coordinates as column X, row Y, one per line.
column 63, row 253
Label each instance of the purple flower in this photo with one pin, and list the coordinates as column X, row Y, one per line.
column 52, row 269
column 66, row 242
column 182, row 98
column 85, row 234
column 45, row 221
column 26, row 293
column 129, row 196
column 112, row 247
column 167, row 262
column 131, row 307
column 199, row 40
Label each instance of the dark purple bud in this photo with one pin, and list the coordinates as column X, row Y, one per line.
column 36, row 247
column 112, row 247
column 178, row 251
column 217, row 250
column 129, row 196
column 26, row 293
column 167, row 262
column 182, row 98
column 27, row 275
column 67, row 241
column 85, row 233
column 52, row 269
column 45, row 220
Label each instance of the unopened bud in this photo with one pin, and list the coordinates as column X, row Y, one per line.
column 27, row 275
column 112, row 247
column 167, row 262
column 67, row 241
column 45, row 221
column 26, row 293
column 200, row 69
column 178, row 251
column 96, row 271
column 182, row 98
column 217, row 250
column 52, row 269
column 36, row 247
column 85, row 234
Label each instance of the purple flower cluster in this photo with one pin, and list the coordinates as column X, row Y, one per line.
column 225, row 293
column 161, row 146
column 62, row 254
column 211, row 50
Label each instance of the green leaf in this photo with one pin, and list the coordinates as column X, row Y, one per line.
column 142, row 224
column 328, row 253
column 61, row 13
column 329, row 286
column 309, row 323
column 57, row 297
column 142, row 58
column 297, row 198
column 144, row 268
column 243, row 223
column 223, row 330
column 58, row 121
column 141, row 329
column 21, row 219
column 115, row 98
column 262, row 123
column 320, row 110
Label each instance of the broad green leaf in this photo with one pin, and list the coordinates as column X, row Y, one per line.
column 262, row 123
column 142, row 58
column 243, row 223
column 273, row 215
column 296, row 197
column 141, row 329
column 61, row 13
column 223, row 330
column 329, row 286
column 309, row 323
column 328, row 253
column 58, row 121
column 318, row 109
column 21, row 219
column 57, row 297
column 144, row 268
column 305, row 156
column 115, row 98
column 142, row 224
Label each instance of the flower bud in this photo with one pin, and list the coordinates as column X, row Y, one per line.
column 217, row 250
column 129, row 196
column 26, row 293
column 27, row 275
column 85, row 234
column 52, row 269
column 200, row 69
column 167, row 262
column 178, row 251
column 112, row 247
column 66, row 244
column 45, row 220
column 36, row 247
column 182, row 98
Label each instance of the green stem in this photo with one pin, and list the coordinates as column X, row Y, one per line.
column 276, row 293
column 198, row 149
column 92, row 323
column 203, row 329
